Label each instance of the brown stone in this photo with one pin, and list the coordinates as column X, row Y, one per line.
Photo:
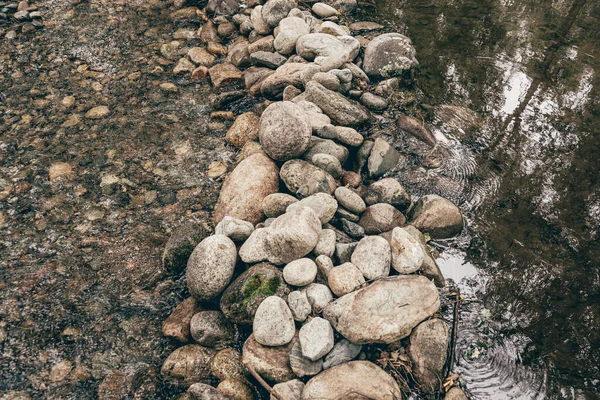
column 188, row 365
column 272, row 363
column 244, row 128
column 177, row 325
column 223, row 74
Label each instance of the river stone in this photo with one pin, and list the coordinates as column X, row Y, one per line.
column 389, row 191
column 236, row 389
column 326, row 244
column 326, row 146
column 455, row 394
column 290, row 390
column 305, row 179
column 244, row 128
column 319, row 296
column 327, row 132
column 316, row 338
column 290, row 29
column 343, row 6
column 222, row 7
column 407, row 254
column 284, row 131
column 299, row 305
column 262, row 44
column 324, row 267
column 348, row 136
column 244, row 189
column 356, row 379
column 336, row 106
column 380, row 218
column 210, row 267
column 429, row 268
column 342, row 213
column 323, row 10
column 383, row 158
column 372, row 257
column 342, row 352
column 267, row 59
column 180, row 246
column 428, row 349
column 223, row 74
column 437, row 216
column 352, row 229
column 328, row 163
column 328, row 80
column 275, row 10
column 201, row 56
column 329, row 51
column 302, row 365
column 332, row 28
column 212, row 329
column 345, row 279
column 241, row 299
column 289, row 74
column 389, row 55
column 401, row 302
column 350, row 200
column 227, row 364
column 254, row 249
column 258, row 21
column 293, row 235
column 273, row 322
column 374, row 102
column 188, row 365
column 323, row 204
column 271, row 363
column 177, row 324
column 236, row 229
column 300, row 272
column 203, row 391
column 276, row 204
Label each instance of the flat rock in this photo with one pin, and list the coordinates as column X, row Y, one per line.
column 203, row 391
column 342, row 352
column 267, row 59
column 350, row 200
column 374, row 102
column 300, row 272
column 241, row 299
column 212, row 329
column 210, row 267
column 356, row 379
column 305, row 179
column 323, row 10
column 323, row 204
column 290, row 390
column 328, row 163
column 273, row 322
column 364, row 26
column 372, row 257
column 345, row 279
column 348, row 136
column 243, row 191
column 380, row 218
column 407, row 254
column 177, row 324
column 389, row 55
column 382, row 159
column 188, row 365
column 271, row 363
column 302, row 365
column 335, row 105
column 402, row 302
column 428, row 349
column 244, row 128
column 276, row 204
column 316, row 338
column 326, row 146
column 390, row 191
column 224, row 74
column 328, row 51
column 437, row 216
column 289, row 74
column 284, row 131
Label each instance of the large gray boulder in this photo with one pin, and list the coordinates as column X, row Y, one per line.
column 402, row 302
column 210, row 267
column 244, row 189
column 337, row 106
column 353, row 380
column 389, row 55
column 329, row 51
column 284, row 131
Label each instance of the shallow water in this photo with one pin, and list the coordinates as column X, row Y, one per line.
column 526, row 177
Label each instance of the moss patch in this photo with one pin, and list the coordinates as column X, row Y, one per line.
column 257, row 286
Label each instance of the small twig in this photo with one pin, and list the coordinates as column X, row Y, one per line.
column 454, row 331
column 262, row 382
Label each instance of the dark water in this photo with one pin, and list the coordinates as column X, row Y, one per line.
column 526, row 175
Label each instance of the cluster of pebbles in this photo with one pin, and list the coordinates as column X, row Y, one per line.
column 315, row 245
column 26, row 16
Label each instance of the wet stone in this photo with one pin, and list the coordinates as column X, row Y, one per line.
column 212, row 329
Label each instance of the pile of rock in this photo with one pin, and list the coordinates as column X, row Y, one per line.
column 27, row 16
column 311, row 247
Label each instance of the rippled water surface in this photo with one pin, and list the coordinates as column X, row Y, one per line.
column 524, row 168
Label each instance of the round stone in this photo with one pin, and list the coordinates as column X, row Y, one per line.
column 345, row 279
column 372, row 257
column 300, row 272
column 273, row 323
column 350, row 200
column 284, row 131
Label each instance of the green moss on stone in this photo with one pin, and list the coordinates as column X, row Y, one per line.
column 256, row 286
